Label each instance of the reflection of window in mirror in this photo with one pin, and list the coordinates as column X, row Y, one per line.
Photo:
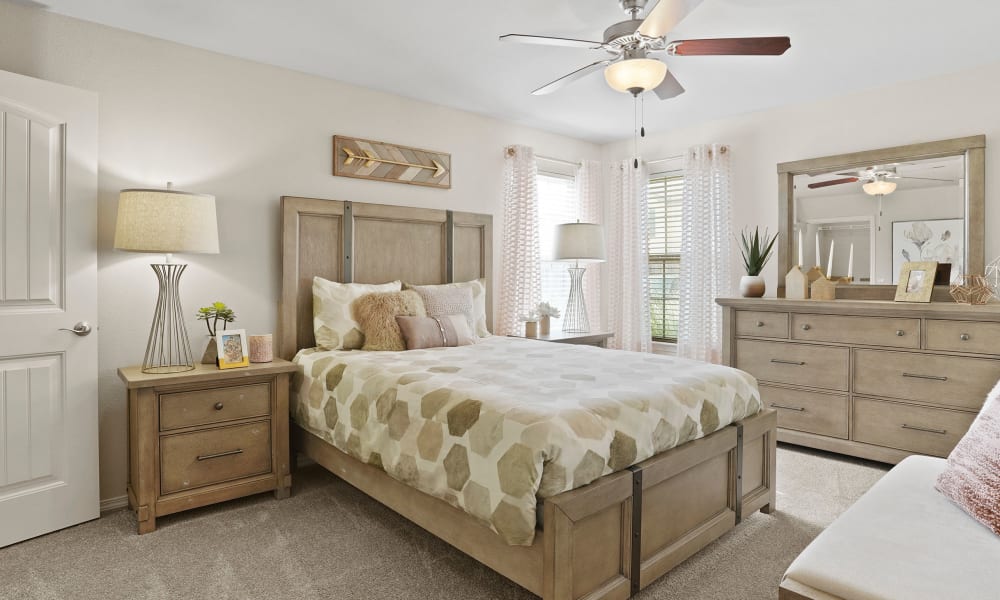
column 891, row 214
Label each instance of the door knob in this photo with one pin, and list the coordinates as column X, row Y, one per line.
column 81, row 329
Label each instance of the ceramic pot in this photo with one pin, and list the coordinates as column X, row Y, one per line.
column 752, row 286
column 211, row 355
column 544, row 324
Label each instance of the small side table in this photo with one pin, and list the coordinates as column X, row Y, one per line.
column 599, row 338
column 203, row 436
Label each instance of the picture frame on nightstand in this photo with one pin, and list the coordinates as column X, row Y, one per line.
column 233, row 351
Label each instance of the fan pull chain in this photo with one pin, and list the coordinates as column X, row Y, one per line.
column 635, row 132
column 642, row 120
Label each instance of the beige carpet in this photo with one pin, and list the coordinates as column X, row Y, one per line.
column 330, row 541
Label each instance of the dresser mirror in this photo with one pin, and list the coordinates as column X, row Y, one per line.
column 862, row 215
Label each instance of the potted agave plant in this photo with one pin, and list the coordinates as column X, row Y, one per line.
column 211, row 315
column 756, row 251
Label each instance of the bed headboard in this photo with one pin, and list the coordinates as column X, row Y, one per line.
column 373, row 243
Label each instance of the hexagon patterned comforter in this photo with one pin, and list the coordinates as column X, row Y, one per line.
column 492, row 427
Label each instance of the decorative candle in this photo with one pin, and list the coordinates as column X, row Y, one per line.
column 819, row 260
column 800, row 248
column 850, row 262
column 829, row 262
column 261, row 348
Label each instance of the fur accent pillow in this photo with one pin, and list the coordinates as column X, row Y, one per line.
column 376, row 313
column 333, row 320
column 972, row 479
column 436, row 332
column 478, row 288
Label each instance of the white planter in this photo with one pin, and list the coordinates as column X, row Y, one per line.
column 752, row 286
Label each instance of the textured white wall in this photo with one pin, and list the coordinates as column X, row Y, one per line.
column 247, row 133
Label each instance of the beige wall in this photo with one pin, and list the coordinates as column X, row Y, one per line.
column 952, row 106
column 247, row 133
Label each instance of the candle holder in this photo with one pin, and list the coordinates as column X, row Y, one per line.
column 823, row 289
column 845, row 280
column 796, row 284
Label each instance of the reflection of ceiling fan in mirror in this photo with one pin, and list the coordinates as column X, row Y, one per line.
column 629, row 68
column 877, row 180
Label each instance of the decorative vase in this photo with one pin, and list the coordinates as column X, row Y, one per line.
column 261, row 348
column 752, row 286
column 211, row 355
column 543, row 328
column 531, row 329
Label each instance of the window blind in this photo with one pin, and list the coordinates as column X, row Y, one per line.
column 664, row 193
column 557, row 203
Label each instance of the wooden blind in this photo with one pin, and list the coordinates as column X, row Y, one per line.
column 664, row 192
column 557, row 203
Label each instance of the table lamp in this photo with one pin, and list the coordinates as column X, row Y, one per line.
column 167, row 221
column 580, row 243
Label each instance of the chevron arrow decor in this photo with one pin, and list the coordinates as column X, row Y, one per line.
column 368, row 159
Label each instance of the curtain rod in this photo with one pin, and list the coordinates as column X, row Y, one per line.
column 568, row 163
column 667, row 159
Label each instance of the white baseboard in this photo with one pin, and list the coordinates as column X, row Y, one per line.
column 110, row 504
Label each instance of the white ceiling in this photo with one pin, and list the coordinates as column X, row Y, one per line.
column 446, row 51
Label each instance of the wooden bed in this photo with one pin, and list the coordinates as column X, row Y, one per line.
column 608, row 539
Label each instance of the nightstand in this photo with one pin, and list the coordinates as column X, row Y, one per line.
column 599, row 339
column 204, row 436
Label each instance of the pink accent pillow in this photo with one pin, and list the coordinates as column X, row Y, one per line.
column 972, row 479
column 436, row 332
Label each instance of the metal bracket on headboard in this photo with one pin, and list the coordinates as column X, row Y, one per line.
column 348, row 235
column 449, row 245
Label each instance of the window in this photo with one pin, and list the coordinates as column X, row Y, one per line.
column 557, row 203
column 663, row 196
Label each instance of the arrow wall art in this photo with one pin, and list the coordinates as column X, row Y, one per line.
column 381, row 161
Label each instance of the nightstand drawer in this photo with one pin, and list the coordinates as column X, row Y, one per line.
column 203, row 407
column 190, row 460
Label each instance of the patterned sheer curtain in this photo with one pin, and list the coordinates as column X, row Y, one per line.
column 628, row 262
column 706, row 238
column 521, row 277
column 589, row 190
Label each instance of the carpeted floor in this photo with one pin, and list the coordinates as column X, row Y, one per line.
column 329, row 541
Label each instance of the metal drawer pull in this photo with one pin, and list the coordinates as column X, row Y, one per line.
column 919, row 376
column 221, row 454
column 964, row 337
column 806, row 327
column 218, row 406
column 900, row 333
column 798, row 408
column 927, row 429
column 760, row 323
column 797, row 363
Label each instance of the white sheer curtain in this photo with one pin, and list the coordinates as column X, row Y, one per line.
column 588, row 187
column 521, row 276
column 628, row 264
column 706, row 238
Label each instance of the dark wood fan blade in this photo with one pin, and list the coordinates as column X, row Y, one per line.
column 759, row 46
column 567, row 79
column 549, row 41
column 669, row 88
column 823, row 184
column 662, row 19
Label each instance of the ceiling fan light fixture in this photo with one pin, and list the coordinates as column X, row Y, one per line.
column 635, row 75
column 879, row 187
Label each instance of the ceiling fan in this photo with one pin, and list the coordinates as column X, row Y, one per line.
column 630, row 42
column 877, row 179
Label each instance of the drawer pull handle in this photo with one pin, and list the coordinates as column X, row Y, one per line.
column 797, row 363
column 806, row 327
column 926, row 429
column 760, row 323
column 798, row 408
column 919, row 376
column 221, row 454
column 218, row 406
column 900, row 333
column 964, row 337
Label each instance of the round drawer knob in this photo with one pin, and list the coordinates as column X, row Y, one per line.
column 900, row 333
column 218, row 406
column 760, row 323
column 806, row 327
column 964, row 337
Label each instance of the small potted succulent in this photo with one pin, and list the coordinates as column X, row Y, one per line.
column 756, row 251
column 546, row 312
column 212, row 315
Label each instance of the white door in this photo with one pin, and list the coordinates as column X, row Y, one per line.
column 48, row 281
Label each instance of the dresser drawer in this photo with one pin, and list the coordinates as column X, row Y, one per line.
column 955, row 381
column 798, row 364
column 190, row 460
column 962, row 336
column 918, row 429
column 186, row 409
column 866, row 331
column 823, row 414
column 754, row 323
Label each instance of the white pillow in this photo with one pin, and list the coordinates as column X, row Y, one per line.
column 478, row 287
column 333, row 319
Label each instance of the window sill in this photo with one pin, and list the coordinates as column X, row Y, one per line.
column 667, row 348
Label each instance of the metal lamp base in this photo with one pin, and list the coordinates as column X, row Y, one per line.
column 576, row 309
column 168, row 349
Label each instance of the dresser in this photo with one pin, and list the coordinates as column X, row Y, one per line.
column 875, row 379
column 206, row 435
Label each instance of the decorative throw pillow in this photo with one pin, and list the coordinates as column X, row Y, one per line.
column 333, row 320
column 436, row 332
column 972, row 479
column 376, row 313
column 478, row 287
column 441, row 300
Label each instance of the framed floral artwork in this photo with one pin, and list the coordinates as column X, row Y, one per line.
column 937, row 240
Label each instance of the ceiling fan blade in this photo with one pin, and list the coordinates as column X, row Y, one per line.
column 670, row 88
column 567, row 79
column 823, row 184
column 545, row 40
column 665, row 16
column 755, row 46
column 922, row 178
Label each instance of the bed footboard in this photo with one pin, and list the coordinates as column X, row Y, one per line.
column 759, row 446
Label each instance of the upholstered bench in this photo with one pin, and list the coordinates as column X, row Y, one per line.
column 902, row 540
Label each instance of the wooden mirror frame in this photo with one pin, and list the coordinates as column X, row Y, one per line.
column 972, row 148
